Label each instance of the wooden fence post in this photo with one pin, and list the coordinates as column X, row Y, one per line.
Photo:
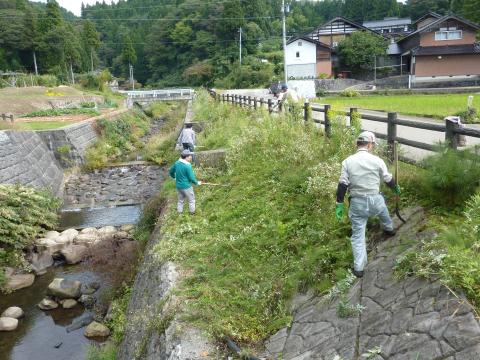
column 306, row 111
column 236, row 99
column 391, row 134
column 352, row 114
column 261, row 103
column 270, row 106
column 255, row 102
column 328, row 124
column 11, row 118
column 249, row 101
column 245, row 101
column 451, row 137
column 4, row 117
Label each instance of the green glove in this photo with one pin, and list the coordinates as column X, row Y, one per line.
column 397, row 190
column 339, row 211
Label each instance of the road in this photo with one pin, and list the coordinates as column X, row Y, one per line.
column 421, row 135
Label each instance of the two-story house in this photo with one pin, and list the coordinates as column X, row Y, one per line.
column 307, row 58
column 443, row 48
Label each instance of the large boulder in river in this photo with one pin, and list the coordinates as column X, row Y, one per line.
column 89, row 230
column 8, row 324
column 69, row 303
column 64, row 289
column 86, row 239
column 40, row 262
column 74, row 253
column 95, row 329
column 47, row 304
column 107, row 232
column 52, row 235
column 19, row 281
column 69, row 234
column 13, row 312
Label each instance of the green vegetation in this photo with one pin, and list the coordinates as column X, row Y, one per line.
column 449, row 192
column 43, row 125
column 358, row 51
column 119, row 138
column 436, row 106
column 60, row 112
column 106, row 352
column 25, row 213
column 451, row 177
column 159, row 147
column 272, row 231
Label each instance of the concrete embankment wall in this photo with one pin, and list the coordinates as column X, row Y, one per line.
column 25, row 159
column 69, row 144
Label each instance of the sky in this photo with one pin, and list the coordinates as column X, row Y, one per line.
column 75, row 5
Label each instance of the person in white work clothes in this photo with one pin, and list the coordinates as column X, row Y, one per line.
column 361, row 176
column 188, row 137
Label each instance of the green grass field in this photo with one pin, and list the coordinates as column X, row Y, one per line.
column 436, row 106
column 43, row 125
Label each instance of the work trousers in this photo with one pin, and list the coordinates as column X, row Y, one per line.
column 186, row 194
column 361, row 208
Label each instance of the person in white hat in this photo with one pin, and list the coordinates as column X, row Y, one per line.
column 361, row 176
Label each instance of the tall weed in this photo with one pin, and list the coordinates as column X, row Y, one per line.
column 451, row 177
column 272, row 231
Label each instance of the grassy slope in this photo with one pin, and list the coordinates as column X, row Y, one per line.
column 254, row 243
column 43, row 125
column 437, row 106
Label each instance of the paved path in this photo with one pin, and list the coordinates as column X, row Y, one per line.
column 425, row 136
column 410, row 319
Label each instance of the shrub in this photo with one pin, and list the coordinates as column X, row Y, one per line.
column 25, row 214
column 349, row 93
column 470, row 116
column 451, row 177
column 320, row 93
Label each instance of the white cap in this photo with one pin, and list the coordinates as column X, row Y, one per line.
column 367, row 137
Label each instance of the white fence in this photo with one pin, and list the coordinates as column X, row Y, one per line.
column 146, row 96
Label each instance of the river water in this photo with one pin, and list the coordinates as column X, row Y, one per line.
column 40, row 331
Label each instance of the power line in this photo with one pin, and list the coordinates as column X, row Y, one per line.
column 116, row 7
column 9, row 17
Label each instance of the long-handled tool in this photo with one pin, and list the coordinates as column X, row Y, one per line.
column 397, row 196
column 213, row 184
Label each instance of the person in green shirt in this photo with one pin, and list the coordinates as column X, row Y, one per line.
column 184, row 177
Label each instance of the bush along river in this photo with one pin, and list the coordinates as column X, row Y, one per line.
column 61, row 308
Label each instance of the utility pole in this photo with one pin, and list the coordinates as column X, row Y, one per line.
column 131, row 76
column 240, row 31
column 284, row 42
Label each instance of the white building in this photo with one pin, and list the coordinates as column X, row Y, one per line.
column 307, row 58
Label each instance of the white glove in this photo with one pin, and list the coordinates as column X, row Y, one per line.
column 199, row 183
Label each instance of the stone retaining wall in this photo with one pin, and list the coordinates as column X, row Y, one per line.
column 69, row 144
column 25, row 159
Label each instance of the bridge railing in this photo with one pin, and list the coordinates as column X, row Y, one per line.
column 452, row 129
column 167, row 93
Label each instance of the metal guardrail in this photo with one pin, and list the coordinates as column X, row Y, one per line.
column 452, row 129
column 166, row 93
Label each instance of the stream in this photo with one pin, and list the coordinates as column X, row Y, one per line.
column 112, row 196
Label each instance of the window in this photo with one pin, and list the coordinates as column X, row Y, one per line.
column 299, row 43
column 298, row 54
column 452, row 34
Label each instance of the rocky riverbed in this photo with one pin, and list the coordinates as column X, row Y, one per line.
column 124, row 185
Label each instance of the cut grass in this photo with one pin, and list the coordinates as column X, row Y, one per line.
column 43, row 125
column 436, row 106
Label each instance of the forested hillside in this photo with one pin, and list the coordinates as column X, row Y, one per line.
column 175, row 42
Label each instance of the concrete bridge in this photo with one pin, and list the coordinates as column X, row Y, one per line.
column 145, row 97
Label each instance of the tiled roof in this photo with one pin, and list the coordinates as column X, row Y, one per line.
column 306, row 38
column 447, row 50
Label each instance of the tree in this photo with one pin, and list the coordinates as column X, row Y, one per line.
column 53, row 17
column 91, row 40
column 357, row 51
column 31, row 35
column 129, row 56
